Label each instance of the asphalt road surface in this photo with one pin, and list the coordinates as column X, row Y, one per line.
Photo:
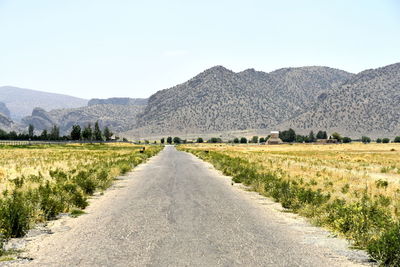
column 177, row 211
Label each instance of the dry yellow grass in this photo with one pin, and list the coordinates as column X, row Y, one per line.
column 39, row 160
column 343, row 170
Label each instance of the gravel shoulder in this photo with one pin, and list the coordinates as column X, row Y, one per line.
column 176, row 210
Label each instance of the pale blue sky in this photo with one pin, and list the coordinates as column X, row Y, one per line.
column 104, row 48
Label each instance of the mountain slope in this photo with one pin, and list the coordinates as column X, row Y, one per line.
column 118, row 101
column 21, row 101
column 4, row 110
column 119, row 118
column 220, row 100
column 367, row 104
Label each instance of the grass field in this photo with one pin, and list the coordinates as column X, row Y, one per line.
column 353, row 189
column 39, row 182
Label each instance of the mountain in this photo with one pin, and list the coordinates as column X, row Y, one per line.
column 219, row 99
column 119, row 118
column 4, row 110
column 367, row 104
column 118, row 101
column 5, row 122
column 21, row 101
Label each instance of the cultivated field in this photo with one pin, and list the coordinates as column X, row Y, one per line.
column 353, row 189
column 40, row 181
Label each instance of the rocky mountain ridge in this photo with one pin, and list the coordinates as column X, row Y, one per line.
column 219, row 101
column 126, row 101
column 21, row 102
column 368, row 103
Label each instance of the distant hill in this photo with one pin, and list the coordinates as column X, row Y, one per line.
column 118, row 101
column 367, row 104
column 221, row 102
column 119, row 118
column 219, row 99
column 4, row 110
column 21, row 102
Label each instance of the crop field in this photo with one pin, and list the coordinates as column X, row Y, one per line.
column 40, row 181
column 352, row 189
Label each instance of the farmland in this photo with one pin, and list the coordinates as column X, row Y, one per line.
column 40, row 181
column 352, row 189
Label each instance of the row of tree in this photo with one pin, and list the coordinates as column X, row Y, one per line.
column 288, row 136
column 77, row 133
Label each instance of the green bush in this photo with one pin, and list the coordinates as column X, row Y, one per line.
column 386, row 249
column 85, row 181
column 14, row 215
column 49, row 201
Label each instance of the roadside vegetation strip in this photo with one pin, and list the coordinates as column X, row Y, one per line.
column 40, row 182
column 367, row 216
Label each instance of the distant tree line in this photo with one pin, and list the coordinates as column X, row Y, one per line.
column 288, row 136
column 77, row 133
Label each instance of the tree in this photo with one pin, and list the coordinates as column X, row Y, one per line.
column 87, row 133
column 288, row 136
column 214, row 140
column 162, row 140
column 346, row 139
column 397, row 139
column 236, row 140
column 31, row 130
column 311, row 137
column 54, row 133
column 254, row 139
column 107, row 133
column 385, row 140
column 199, row 140
column 76, row 132
column 177, row 140
column 365, row 139
column 262, row 140
column 98, row 136
column 169, row 140
column 322, row 135
column 44, row 135
column 3, row 135
column 300, row 139
column 337, row 136
column 379, row 140
column 243, row 140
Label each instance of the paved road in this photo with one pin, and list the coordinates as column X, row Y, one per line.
column 176, row 211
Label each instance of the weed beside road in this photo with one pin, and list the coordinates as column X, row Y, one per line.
column 340, row 187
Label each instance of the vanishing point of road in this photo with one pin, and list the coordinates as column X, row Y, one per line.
column 175, row 210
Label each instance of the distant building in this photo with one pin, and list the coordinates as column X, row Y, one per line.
column 274, row 139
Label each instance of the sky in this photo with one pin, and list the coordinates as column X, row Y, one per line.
column 129, row 48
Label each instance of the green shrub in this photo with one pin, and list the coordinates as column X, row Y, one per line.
column 85, row 181
column 49, row 201
column 386, row 249
column 14, row 215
